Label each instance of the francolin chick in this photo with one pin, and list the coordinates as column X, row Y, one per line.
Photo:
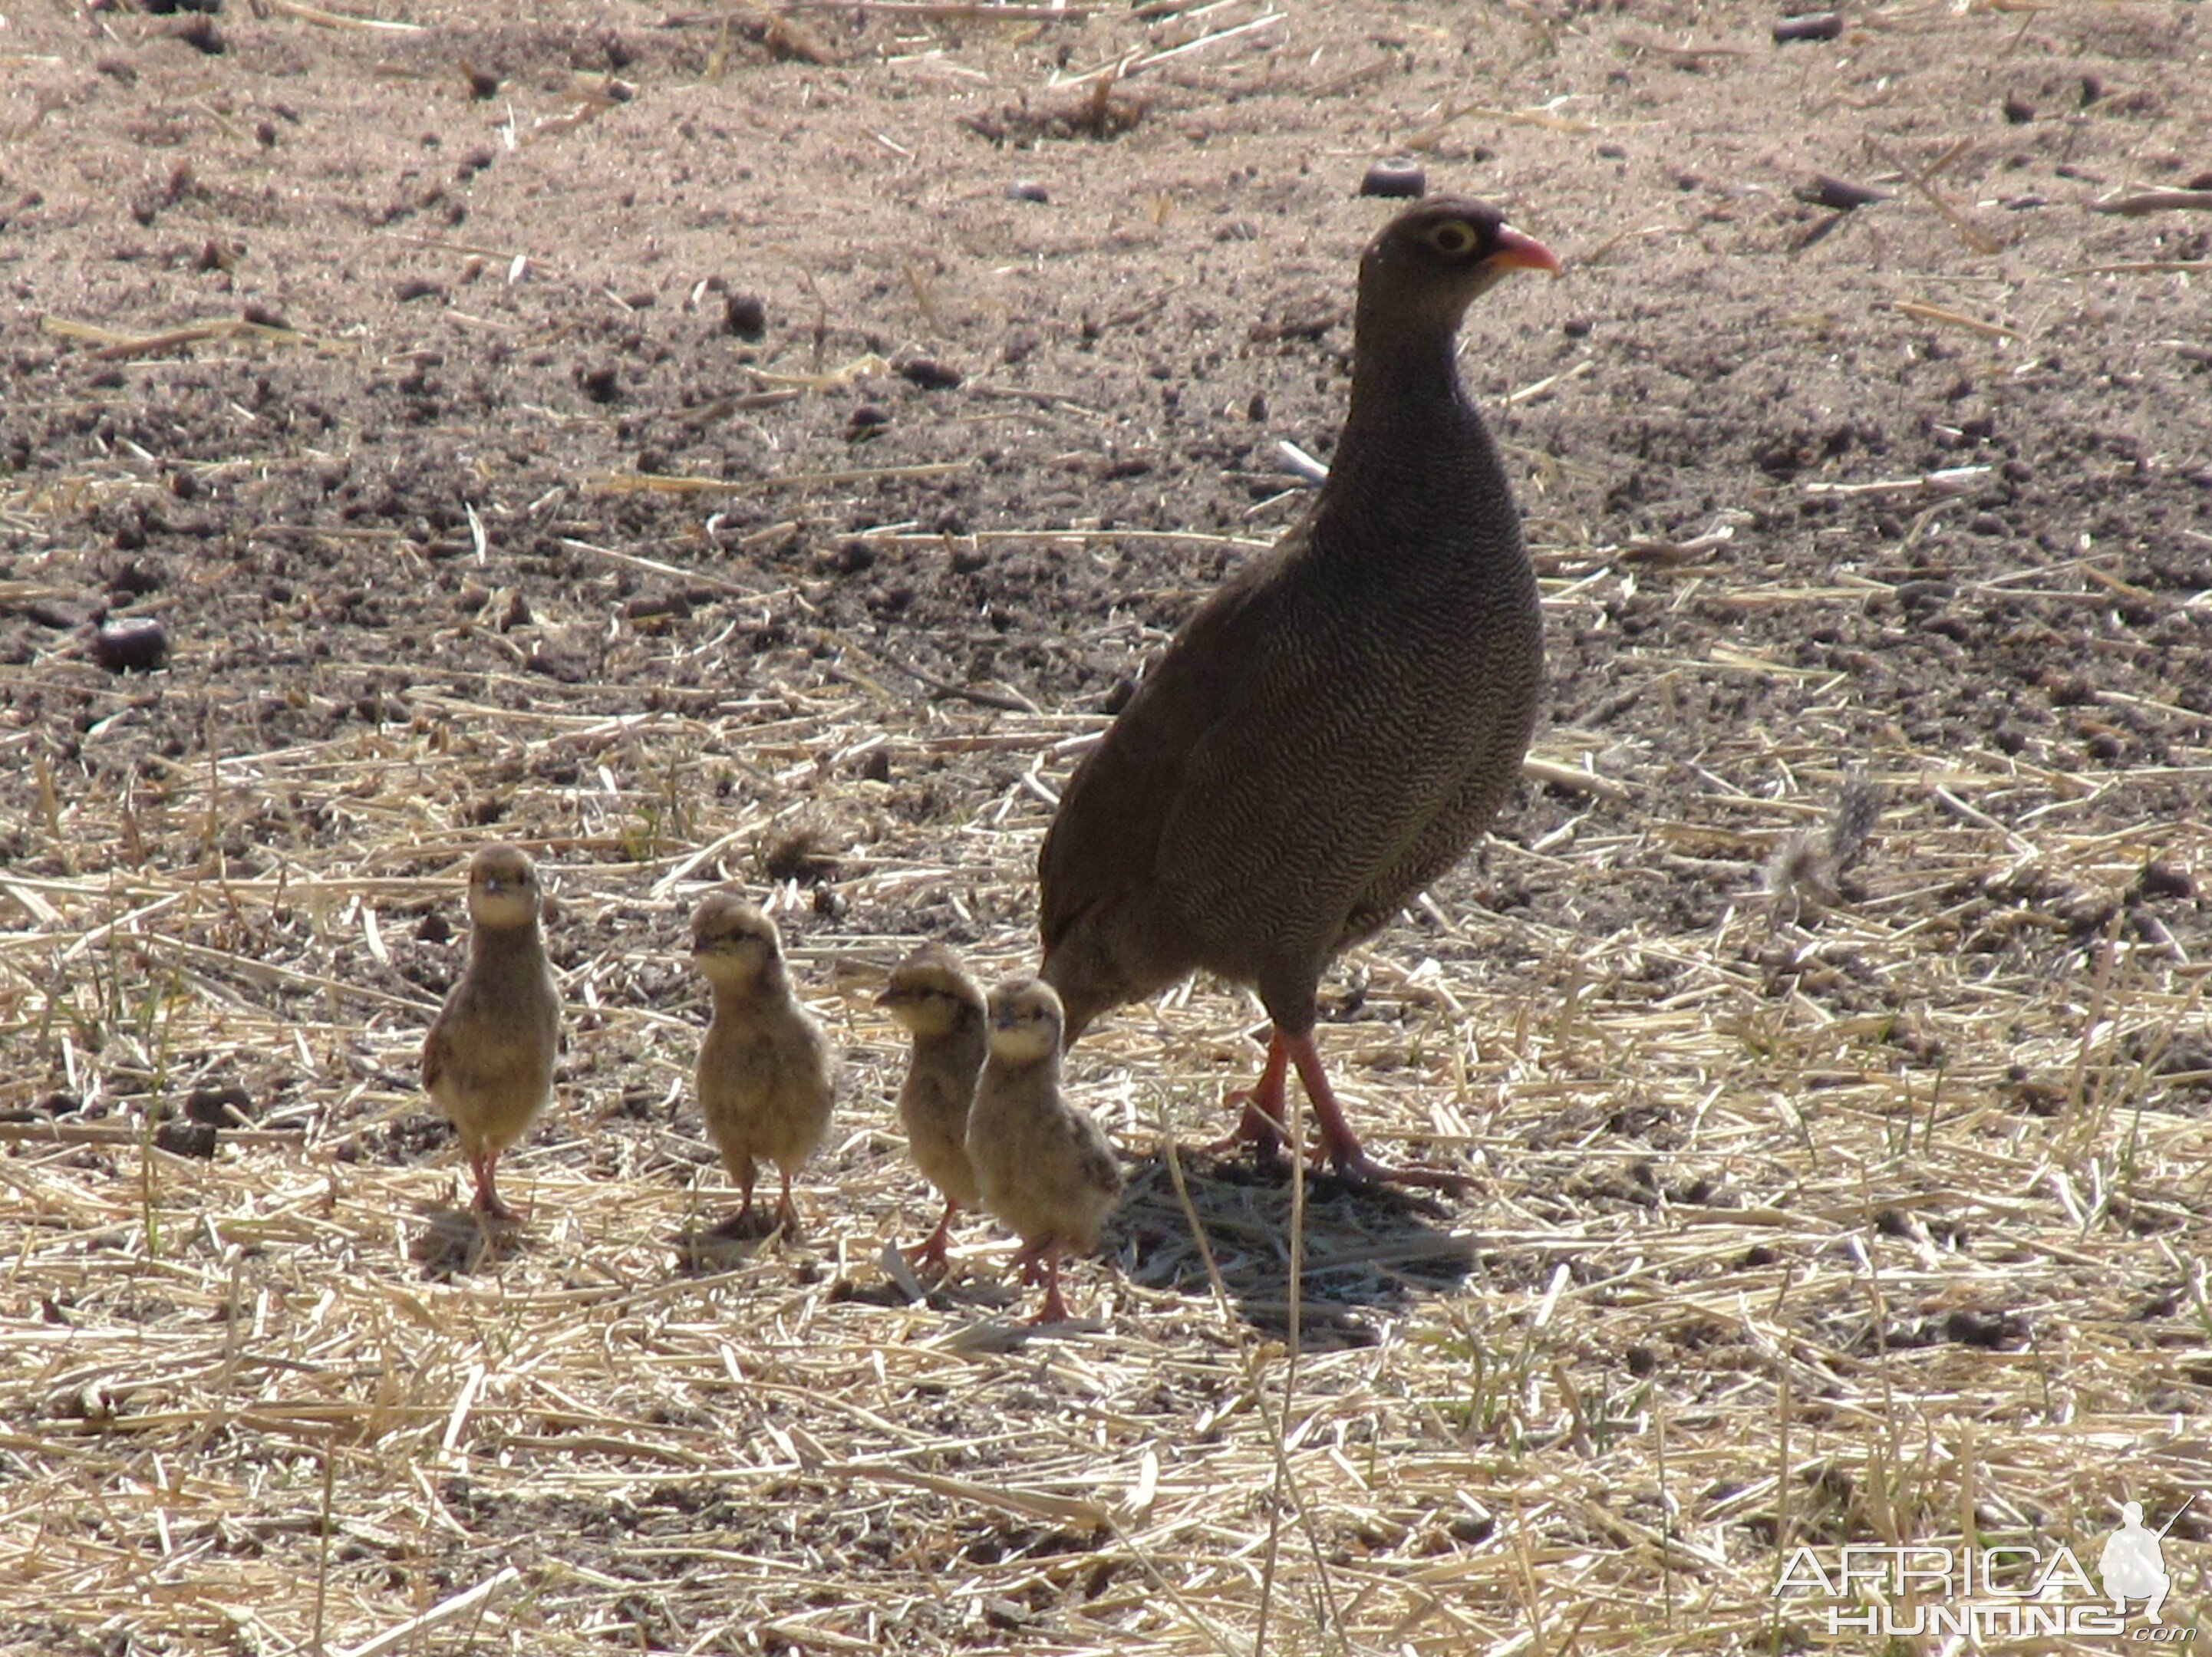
column 941, row 1008
column 488, row 1061
column 1041, row 1165
column 765, row 1067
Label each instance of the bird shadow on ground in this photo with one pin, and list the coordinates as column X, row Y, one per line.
column 456, row 1241
column 1368, row 1249
column 702, row 1250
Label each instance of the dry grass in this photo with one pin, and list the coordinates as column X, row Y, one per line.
column 1877, row 1219
column 1873, row 1224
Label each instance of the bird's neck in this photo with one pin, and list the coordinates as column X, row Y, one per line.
column 1413, row 452
column 737, row 991
column 497, row 946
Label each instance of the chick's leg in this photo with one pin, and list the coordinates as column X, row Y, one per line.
column 1054, row 1309
column 487, row 1202
column 787, row 1211
column 931, row 1250
column 739, row 1224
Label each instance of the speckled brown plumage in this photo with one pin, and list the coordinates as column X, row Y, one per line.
column 933, row 996
column 1340, row 720
column 1043, row 1167
column 488, row 1060
column 766, row 1075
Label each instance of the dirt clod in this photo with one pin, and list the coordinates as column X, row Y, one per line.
column 745, row 315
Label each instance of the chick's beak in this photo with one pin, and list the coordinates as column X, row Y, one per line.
column 1518, row 252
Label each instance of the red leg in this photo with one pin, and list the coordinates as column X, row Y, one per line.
column 1340, row 1144
column 739, row 1224
column 487, row 1198
column 931, row 1251
column 787, row 1211
column 1261, row 1126
column 1054, row 1309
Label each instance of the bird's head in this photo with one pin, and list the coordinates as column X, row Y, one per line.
column 930, row 995
column 733, row 942
column 1431, row 261
column 1025, row 1020
column 502, row 888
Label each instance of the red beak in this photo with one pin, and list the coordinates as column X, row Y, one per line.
column 1518, row 252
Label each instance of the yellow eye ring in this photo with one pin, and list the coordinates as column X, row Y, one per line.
column 1454, row 238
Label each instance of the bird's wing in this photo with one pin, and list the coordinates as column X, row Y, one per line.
column 436, row 1047
column 1106, row 835
column 1101, row 1168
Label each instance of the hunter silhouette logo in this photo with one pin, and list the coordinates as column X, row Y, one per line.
column 2133, row 1564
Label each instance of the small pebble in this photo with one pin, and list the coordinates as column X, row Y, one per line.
column 1394, row 177
column 1026, row 189
column 2018, row 111
column 137, row 644
column 1841, row 194
column 2158, row 879
column 203, row 37
column 651, row 606
column 1813, row 26
column 137, row 578
column 929, row 373
column 226, row 1107
column 187, row 1140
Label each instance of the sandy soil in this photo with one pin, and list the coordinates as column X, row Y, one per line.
column 708, row 446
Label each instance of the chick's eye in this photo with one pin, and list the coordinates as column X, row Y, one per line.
column 1453, row 237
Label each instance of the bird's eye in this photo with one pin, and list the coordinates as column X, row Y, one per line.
column 1453, row 237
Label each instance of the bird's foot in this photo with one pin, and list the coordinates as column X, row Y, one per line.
column 1054, row 1309
column 1359, row 1169
column 1255, row 1131
column 743, row 1226
column 1340, row 1145
column 932, row 1251
column 486, row 1201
